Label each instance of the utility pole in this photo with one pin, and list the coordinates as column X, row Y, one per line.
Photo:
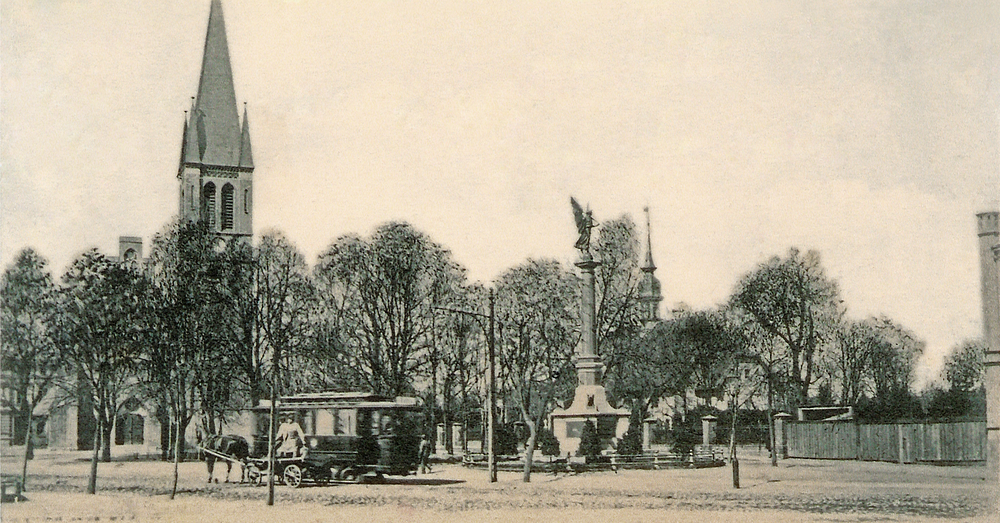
column 491, row 395
column 271, row 436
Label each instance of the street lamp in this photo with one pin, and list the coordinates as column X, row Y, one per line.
column 491, row 459
column 733, row 382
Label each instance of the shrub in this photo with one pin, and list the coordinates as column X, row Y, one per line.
column 547, row 442
column 505, row 440
column 684, row 440
column 631, row 442
column 590, row 444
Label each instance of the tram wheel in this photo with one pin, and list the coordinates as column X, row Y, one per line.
column 350, row 474
column 292, row 475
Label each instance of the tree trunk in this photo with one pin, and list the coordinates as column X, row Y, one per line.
column 529, row 450
column 449, row 444
column 22, row 421
column 107, row 427
column 178, row 449
column 465, row 412
column 732, row 429
column 770, row 421
column 92, row 480
column 28, row 446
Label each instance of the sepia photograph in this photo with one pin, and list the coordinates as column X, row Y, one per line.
column 499, row 261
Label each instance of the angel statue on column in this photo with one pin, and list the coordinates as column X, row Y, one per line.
column 584, row 223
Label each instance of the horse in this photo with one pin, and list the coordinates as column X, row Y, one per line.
column 231, row 445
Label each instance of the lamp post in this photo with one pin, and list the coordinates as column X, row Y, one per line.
column 734, row 407
column 491, row 459
column 491, row 456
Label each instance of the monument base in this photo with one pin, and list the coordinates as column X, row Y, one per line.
column 590, row 403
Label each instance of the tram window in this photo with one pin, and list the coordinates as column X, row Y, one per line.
column 376, row 416
column 345, row 422
column 309, row 421
column 324, row 422
column 364, row 423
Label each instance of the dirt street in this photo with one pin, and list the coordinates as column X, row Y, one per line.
column 797, row 490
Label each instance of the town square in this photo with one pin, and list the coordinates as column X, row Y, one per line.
column 525, row 261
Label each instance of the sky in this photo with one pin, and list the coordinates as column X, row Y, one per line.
column 865, row 130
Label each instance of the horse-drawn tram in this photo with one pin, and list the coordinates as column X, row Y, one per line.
column 338, row 437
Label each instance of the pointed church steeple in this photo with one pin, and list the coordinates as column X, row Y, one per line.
column 215, row 115
column 649, row 287
column 216, row 172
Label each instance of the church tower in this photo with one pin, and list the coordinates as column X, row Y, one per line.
column 216, row 164
column 649, row 287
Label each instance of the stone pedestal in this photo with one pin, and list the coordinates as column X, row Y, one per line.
column 590, row 403
column 708, row 424
column 647, row 433
column 439, row 447
column 780, row 438
column 456, row 437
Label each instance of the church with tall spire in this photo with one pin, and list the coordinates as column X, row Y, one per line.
column 216, row 162
column 649, row 287
column 216, row 187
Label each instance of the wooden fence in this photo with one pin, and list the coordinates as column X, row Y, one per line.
column 901, row 442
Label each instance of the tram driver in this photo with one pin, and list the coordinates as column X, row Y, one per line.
column 289, row 438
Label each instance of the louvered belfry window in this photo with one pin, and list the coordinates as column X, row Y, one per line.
column 227, row 207
column 209, row 194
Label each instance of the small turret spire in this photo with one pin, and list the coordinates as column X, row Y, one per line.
column 246, row 152
column 648, row 266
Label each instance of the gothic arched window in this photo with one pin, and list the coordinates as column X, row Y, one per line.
column 227, row 207
column 208, row 195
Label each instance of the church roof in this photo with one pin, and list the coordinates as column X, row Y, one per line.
column 214, row 133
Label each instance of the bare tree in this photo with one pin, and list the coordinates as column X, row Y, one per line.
column 285, row 298
column 536, row 303
column 28, row 353
column 964, row 367
column 100, row 328
column 852, row 358
column 384, row 290
column 188, row 366
column 792, row 300
column 616, row 282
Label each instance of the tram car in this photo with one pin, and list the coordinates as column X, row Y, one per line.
column 347, row 436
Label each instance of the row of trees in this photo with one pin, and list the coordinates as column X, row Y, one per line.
column 205, row 326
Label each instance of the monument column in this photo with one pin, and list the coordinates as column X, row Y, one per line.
column 588, row 365
column 989, row 249
column 590, row 402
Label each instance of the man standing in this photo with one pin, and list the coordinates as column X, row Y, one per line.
column 425, row 454
column 289, row 437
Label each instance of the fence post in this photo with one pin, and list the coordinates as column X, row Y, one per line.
column 900, row 441
column 780, row 436
column 857, row 440
column 708, row 429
